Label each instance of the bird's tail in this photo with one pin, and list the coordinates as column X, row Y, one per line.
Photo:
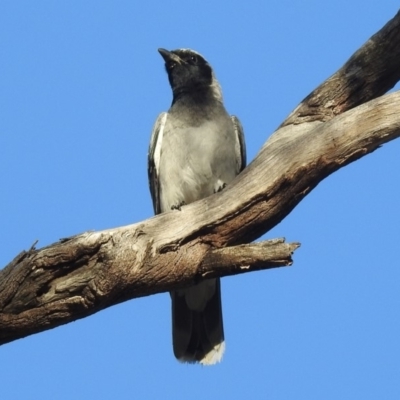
column 197, row 327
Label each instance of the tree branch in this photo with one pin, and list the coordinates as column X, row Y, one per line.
column 246, row 258
column 42, row 289
column 370, row 72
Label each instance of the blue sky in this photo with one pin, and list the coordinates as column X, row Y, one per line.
column 81, row 84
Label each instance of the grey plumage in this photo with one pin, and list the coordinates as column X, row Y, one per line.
column 195, row 150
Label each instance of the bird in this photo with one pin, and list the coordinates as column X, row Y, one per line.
column 196, row 149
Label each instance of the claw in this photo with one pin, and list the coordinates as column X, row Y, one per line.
column 178, row 206
column 219, row 188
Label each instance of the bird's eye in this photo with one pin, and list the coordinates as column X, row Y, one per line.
column 171, row 65
column 193, row 59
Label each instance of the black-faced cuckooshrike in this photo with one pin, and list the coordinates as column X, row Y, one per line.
column 196, row 149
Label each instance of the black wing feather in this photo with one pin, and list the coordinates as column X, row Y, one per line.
column 153, row 160
column 241, row 145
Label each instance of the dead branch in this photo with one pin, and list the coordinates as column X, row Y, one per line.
column 45, row 288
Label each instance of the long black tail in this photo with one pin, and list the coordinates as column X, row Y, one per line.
column 197, row 327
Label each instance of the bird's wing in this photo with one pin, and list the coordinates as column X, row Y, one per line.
column 154, row 160
column 240, row 147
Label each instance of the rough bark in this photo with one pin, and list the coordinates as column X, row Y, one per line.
column 45, row 288
column 370, row 72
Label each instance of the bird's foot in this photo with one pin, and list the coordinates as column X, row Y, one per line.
column 220, row 186
column 178, row 206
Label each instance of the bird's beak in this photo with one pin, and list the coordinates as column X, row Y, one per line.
column 169, row 56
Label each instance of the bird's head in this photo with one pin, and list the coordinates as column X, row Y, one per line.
column 189, row 71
